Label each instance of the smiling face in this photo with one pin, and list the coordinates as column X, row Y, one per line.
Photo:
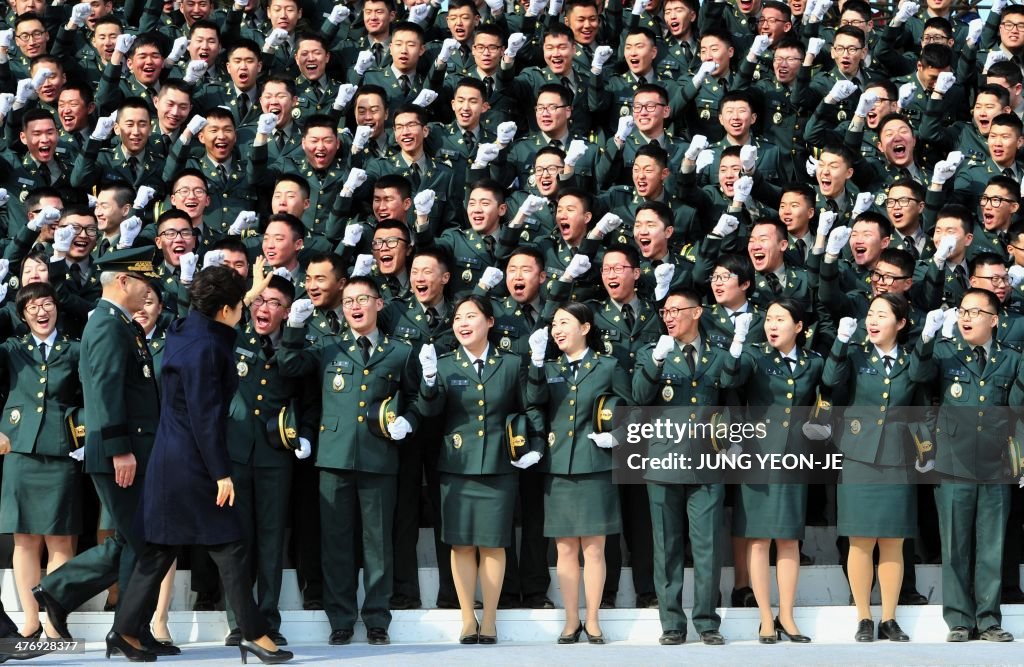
column 484, row 211
column 681, row 318
column 377, row 18
column 766, row 248
column 833, row 172
column 320, row 144
column 997, row 208
column 786, row 64
column 471, row 326
column 729, row 169
column 34, row 271
column 312, row 59
column 389, row 204
column 866, row 242
column 986, row 107
column 276, row 99
column 976, row 330
column 280, row 245
column 737, row 118
column 175, row 237
column 882, row 325
column 148, row 316
column 31, row 38
column 104, row 39
column 134, row 129
column 713, row 49
column 52, row 85
column 410, row 133
column 796, row 213
column 427, row 277
column 194, row 10
column 993, row 277
column 679, row 18
column 882, row 108
column 773, row 23
column 640, row 53
column 558, row 54
column 219, row 138
column 619, row 277
column 570, row 334
column 100, row 8
column 85, row 240
column 361, row 317
column 648, row 177
column 43, row 321
column 390, row 250
column 243, row 67
column 146, row 63
column 108, row 214
column 886, row 272
column 583, row 21
column 73, row 111
column 848, row 52
column 552, row 114
column 190, row 195
column 288, row 197
column 546, row 169
column 284, row 14
column 650, row 234
column 904, row 218
column 204, row 45
column 271, row 312
column 571, row 218
column 524, row 277
column 780, row 329
column 322, row 286
column 727, row 288
column 40, row 137
column 650, row 113
column 172, row 108
column 469, row 105
column 371, row 111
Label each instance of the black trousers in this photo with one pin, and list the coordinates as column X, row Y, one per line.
column 139, row 601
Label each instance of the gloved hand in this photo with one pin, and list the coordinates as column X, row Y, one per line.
column 741, row 189
column 353, row 234
column 187, row 265
column 5, row 197
column 491, row 278
column 305, row 447
column 124, row 43
column 283, row 272
column 662, row 348
column 526, row 460
column 214, row 258
column 820, row 9
column 943, row 171
column 577, row 149
column 840, row 91
column 731, row 453
column 77, row 454
column 906, row 95
column 195, row 71
column 266, row 123
column 742, row 327
column 1016, row 275
column 516, row 41
column 992, row 58
column 104, row 127
column 506, row 132
column 706, row 68
column 80, row 13
column 928, row 466
column 814, row 45
column 727, row 224
column 497, row 7
column 532, row 204
column 863, row 203
column 816, row 432
column 364, row 61
column 143, row 196
column 301, row 311
column 428, row 363
column 705, row 159
column 363, row 265
column 663, row 275
column 5, row 268
column 47, row 216
column 425, row 98
column 401, row 427
column 638, row 7
column 602, row 55
column 603, row 440
column 423, row 202
column 62, row 238
column 905, row 11
column 944, row 82
column 419, row 14
column 26, row 91
column 748, row 158
column 536, row 7
column 578, row 265
column 625, row 127
column 837, row 240
column 949, row 321
column 7, row 39
column 243, row 221
column 697, row 144
column 998, row 6
column 811, row 166
column 825, row 222
column 196, row 125
column 865, row 103
column 974, row 29
column 346, row 92
column 486, row 154
column 361, row 138
column 555, row 7
column 356, row 177
column 932, row 324
column 538, row 346
column 275, row 39
column 608, row 223
column 760, row 46
column 129, row 231
column 448, row 49
column 6, row 102
column 847, row 326
column 944, row 249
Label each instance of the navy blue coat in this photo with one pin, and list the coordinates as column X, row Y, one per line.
column 190, row 452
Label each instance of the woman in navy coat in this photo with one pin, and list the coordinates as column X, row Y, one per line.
column 189, row 495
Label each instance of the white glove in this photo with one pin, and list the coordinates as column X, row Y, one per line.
column 837, row 240
column 426, row 96
column 662, row 348
column 974, row 29
column 949, row 321
column 7, row 39
column 578, row 265
column 300, row 312
column 906, row 94
column 536, row 7
column 864, row 104
column 820, row 10
column 663, row 280
column 731, row 453
column 928, row 466
column 625, row 127
column 361, row 137
column 905, row 11
column 727, row 224
column 526, row 460
column 840, row 91
column 638, row 7
column 448, row 48
column 213, row 258
column 538, row 346
column 491, row 278
column 847, row 326
column 353, row 234
column 516, row 41
column 863, row 203
column 577, row 149
column 506, row 132
column 196, row 125
column 697, row 144
column 283, row 272
column 993, row 58
column 608, row 223
column 338, row 14
column 603, row 440
column 401, row 427
column 497, row 7
column 26, row 91
column 705, row 159
column 275, row 39
column 3, row 292
column 5, row 197
column 816, row 432
column 187, row 264
column 602, row 55
column 943, row 171
column 62, row 238
column 811, row 166
column 6, row 102
column 363, row 265
column 825, row 222
column 5, row 268
column 266, row 123
column 944, row 82
column 47, row 216
column 305, row 448
column 143, row 196
column 555, row 7
column 955, row 158
column 760, row 45
column 353, row 181
column 129, row 230
column 998, row 6
column 243, row 221
column 178, row 49
column 364, row 61
column 706, row 67
column 741, row 189
column 532, row 204
column 124, row 43
column 346, row 92
column 944, row 249
column 742, row 328
column 428, row 363
column 195, row 71
column 1016, row 275
column 419, row 13
column 748, row 158
column 104, row 127
column 424, row 202
column 486, row 154
column 814, row 45
column 77, row 454
column 80, row 14
column 932, row 324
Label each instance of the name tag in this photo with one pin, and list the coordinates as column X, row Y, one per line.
column 342, row 364
column 867, row 371
column 556, row 379
column 244, row 352
column 774, row 371
column 407, row 332
column 958, row 372
column 468, row 261
column 459, row 382
column 26, row 181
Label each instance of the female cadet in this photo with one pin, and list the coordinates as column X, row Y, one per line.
column 781, row 374
column 877, row 501
column 42, row 485
column 580, row 504
column 476, row 388
column 34, row 269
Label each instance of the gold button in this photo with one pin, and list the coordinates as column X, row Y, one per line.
column 571, row 417
column 789, row 395
column 359, row 418
column 322, row 428
column 881, row 408
column 572, row 388
column 572, row 402
column 479, row 434
column 480, row 418
column 362, row 404
column 138, row 430
column 263, row 381
column 39, row 395
column 569, row 434
column 981, row 398
column 785, row 424
column 479, row 402
column 979, row 428
column 981, row 414
column 43, row 367
column 42, row 380
column 886, row 380
column 362, row 387
column 881, row 421
column 787, row 411
column 256, row 412
column 479, row 387
column 266, row 367
column 259, row 397
column 789, row 381
column 885, row 394
column 366, row 371
column 981, row 383
column 693, row 399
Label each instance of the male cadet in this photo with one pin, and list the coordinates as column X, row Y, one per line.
column 678, row 47
column 75, row 107
column 896, row 157
column 998, row 206
column 41, row 90
column 325, row 279
column 316, row 89
column 32, row 38
column 934, row 73
column 80, row 40
column 173, row 107
column 988, row 271
column 278, row 96
column 371, row 110
column 1007, row 75
column 239, row 93
column 392, row 255
column 43, row 206
column 175, row 238
column 972, row 501
column 261, row 455
column 944, row 276
column 653, row 229
column 684, row 369
column 708, row 85
column 358, row 461
column 729, row 196
column 146, row 64
column 796, row 210
column 461, row 20
column 115, row 202
column 737, row 117
column 203, row 48
column 968, row 137
column 400, row 79
column 122, row 401
column 865, row 239
column 639, row 53
column 282, row 243
column 848, row 52
column 488, row 49
column 732, row 283
column 134, row 160
column 825, row 128
column 1004, row 142
column 904, row 204
column 41, row 166
column 650, row 111
column 73, row 273
column 835, row 190
column 378, row 17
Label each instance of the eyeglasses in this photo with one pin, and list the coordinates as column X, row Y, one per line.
column 997, row 281
column 34, row 308
column 722, row 278
column 848, row 50
column 91, row 232
column 407, row 126
column 390, row 243
column 972, row 313
column 885, row 279
column 362, row 300
column 552, row 170
column 993, row 201
column 668, row 313
column 487, row 48
column 648, row 108
column 1010, row 26
column 185, row 192
column 934, row 39
column 616, row 270
column 783, row 60
column 272, row 303
column 854, row 22
column 771, row 21
column 549, row 108
column 901, row 202
column 171, row 234
column 30, row 36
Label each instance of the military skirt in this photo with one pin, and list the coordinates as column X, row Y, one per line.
column 882, row 503
column 775, row 511
column 477, row 509
column 581, row 505
column 40, row 495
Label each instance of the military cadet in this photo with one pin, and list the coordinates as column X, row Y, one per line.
column 239, row 92
column 727, row 196
column 639, row 53
column 877, row 501
column 135, row 160
column 933, row 30
column 580, row 507
column 778, row 373
column 282, row 243
column 378, row 16
column 968, row 137
column 40, row 498
column 653, row 229
column 944, row 276
column 688, row 370
column 488, row 48
column 737, row 117
column 316, row 89
column 461, row 20
column 998, row 207
column 72, row 271
column 279, row 96
column 47, row 80
column 896, row 158
column 650, row 113
column 933, row 76
column 75, row 107
column 203, row 48
column 1009, row 77
column 41, row 166
column 400, row 79
column 189, row 193
column 173, row 107
column 358, row 464
column 175, row 238
column 146, row 64
column 865, row 239
column 904, row 205
column 32, row 39
column 325, row 279
column 828, row 124
column 114, row 204
column 977, row 372
column 732, row 283
column 37, row 235
column 835, row 190
column 1004, row 143
column 87, row 42
column 547, row 176
column 392, row 255
column 848, row 51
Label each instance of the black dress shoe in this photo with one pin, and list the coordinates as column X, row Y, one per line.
column 156, row 648
column 892, row 631
column 912, row 598
column 712, row 638
column 994, row 633
column 672, row 638
column 490, row 640
column 265, row 656
column 234, row 638
column 55, row 613
column 743, row 597
column 767, row 639
column 472, row 637
column 205, row 602
column 313, row 605
column 1012, row 595
column 509, row 602
column 403, row 602
column 377, row 637
column 117, row 645
column 958, row 634
column 538, row 602
column 594, row 639
column 340, row 637
column 866, row 630
column 806, row 560
column 796, row 639
column 108, row 606
column 446, row 603
column 571, row 638
column 647, row 601
column 608, row 602
column 277, row 637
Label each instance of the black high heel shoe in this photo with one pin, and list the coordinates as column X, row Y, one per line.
column 571, row 639
column 766, row 639
column 472, row 637
column 265, row 656
column 594, row 639
column 35, row 635
column 489, row 639
column 117, row 645
column 796, row 639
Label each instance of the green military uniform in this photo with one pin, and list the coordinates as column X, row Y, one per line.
column 588, row 102
column 941, row 286
column 617, row 162
column 588, row 171
column 231, row 190
column 720, row 326
column 819, row 327
column 432, row 175
column 471, row 253
column 941, row 135
column 94, row 167
column 623, row 201
column 537, row 225
column 824, row 127
column 224, row 94
column 972, row 177
column 113, row 90
column 22, row 175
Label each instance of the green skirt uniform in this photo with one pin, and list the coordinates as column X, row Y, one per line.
column 774, row 511
column 41, row 495
column 884, row 506
column 477, row 509
column 581, row 505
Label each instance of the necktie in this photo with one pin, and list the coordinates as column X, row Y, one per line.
column 76, row 274
column 801, row 248
column 267, row 346
column 691, row 363
column 432, row 317
column 243, row 106
column 911, row 247
column 332, row 321
column 791, row 363
column 469, row 140
column 568, row 84
column 489, row 242
column 133, row 168
column 1008, row 172
column 279, row 138
column 364, row 347
column 104, row 247
column 628, row 317
column 42, row 351
column 44, row 174
column 774, row 283
column 403, row 83
column 414, row 177
column 528, row 314
column 489, row 85
column 573, row 367
column 889, row 361
column 479, row 367
column 378, row 53
column 222, row 174
column 961, row 276
column 831, row 205
column 641, row 79
column 557, row 143
column 980, row 351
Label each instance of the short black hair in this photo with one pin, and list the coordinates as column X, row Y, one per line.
column 215, row 287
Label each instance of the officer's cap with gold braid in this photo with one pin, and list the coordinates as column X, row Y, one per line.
column 130, row 260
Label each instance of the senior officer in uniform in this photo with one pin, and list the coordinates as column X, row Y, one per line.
column 122, row 404
column 684, row 369
column 358, row 465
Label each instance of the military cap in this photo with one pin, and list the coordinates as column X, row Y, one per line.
column 381, row 413
column 516, row 435
column 129, row 260
column 283, row 431
column 74, row 419
column 604, row 412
